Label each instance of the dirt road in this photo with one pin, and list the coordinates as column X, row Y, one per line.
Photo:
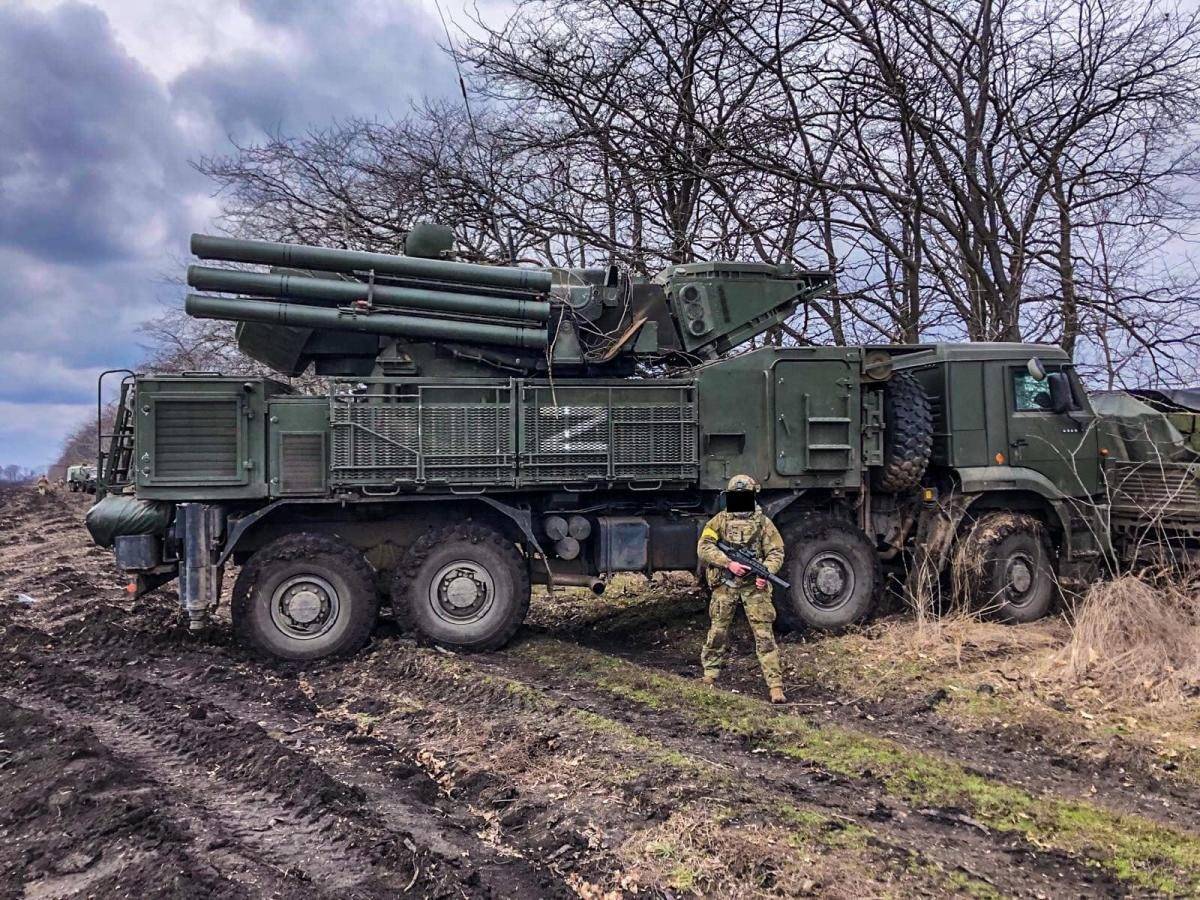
column 585, row 760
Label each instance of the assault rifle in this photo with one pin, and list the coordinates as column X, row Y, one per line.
column 746, row 558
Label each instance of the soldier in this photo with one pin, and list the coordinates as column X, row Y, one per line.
column 743, row 524
column 43, row 485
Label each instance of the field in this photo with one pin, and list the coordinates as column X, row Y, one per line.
column 587, row 759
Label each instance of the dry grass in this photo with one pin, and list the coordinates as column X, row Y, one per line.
column 1138, row 636
column 703, row 852
column 961, row 637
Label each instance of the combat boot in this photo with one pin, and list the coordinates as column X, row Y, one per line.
column 777, row 695
column 709, row 680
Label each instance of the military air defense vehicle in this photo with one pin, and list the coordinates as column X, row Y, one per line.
column 486, row 428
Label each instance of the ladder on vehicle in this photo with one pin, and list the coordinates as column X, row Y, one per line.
column 115, row 451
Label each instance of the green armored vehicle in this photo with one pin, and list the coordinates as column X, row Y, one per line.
column 81, row 478
column 488, row 428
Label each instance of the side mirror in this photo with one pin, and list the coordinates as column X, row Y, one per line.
column 1035, row 369
column 1061, row 400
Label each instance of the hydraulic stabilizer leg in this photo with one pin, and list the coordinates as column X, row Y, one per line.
column 199, row 575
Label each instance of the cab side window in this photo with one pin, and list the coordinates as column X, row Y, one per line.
column 1029, row 394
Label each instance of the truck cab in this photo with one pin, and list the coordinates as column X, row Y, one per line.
column 1016, row 447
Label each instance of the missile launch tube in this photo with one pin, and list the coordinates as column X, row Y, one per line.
column 299, row 256
column 391, row 324
column 342, row 293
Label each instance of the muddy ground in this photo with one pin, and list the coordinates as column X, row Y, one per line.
column 585, row 760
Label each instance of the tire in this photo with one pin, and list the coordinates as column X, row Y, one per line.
column 834, row 572
column 907, row 436
column 787, row 620
column 305, row 575
column 1002, row 568
column 464, row 586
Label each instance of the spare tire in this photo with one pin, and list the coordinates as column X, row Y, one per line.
column 907, row 436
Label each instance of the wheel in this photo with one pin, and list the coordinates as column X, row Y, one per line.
column 834, row 573
column 305, row 596
column 1002, row 568
column 462, row 586
column 907, row 436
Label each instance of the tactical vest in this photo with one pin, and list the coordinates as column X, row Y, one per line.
column 743, row 531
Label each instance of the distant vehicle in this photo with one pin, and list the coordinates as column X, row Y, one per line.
column 81, row 478
column 487, row 428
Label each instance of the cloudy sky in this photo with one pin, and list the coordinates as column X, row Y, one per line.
column 102, row 106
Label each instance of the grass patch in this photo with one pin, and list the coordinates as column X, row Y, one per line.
column 1131, row 848
column 707, row 850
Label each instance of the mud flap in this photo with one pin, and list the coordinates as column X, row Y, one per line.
column 147, row 582
column 936, row 529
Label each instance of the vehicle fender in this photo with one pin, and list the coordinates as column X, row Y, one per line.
column 242, row 526
column 982, row 482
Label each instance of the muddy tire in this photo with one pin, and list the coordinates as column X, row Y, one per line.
column 464, row 586
column 1002, row 568
column 834, row 572
column 907, row 436
column 304, row 597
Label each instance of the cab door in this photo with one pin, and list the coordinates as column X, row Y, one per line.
column 1063, row 446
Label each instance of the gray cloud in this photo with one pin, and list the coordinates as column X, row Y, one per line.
column 340, row 60
column 97, row 196
column 90, row 161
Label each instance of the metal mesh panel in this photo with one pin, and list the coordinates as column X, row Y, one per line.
column 1153, row 490
column 639, row 433
column 456, row 434
column 384, row 439
column 655, row 442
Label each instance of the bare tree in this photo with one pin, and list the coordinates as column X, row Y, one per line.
column 980, row 169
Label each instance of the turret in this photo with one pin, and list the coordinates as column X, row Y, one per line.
column 351, row 312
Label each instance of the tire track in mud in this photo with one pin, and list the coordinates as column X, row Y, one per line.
column 230, row 690
column 360, row 760
column 268, row 801
column 296, row 841
column 452, row 818
column 97, row 826
column 109, row 645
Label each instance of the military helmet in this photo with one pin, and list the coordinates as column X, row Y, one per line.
column 739, row 499
column 742, row 483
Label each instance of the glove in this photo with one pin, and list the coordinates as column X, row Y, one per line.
column 737, row 568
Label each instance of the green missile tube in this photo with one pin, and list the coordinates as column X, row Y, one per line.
column 343, row 293
column 300, row 256
column 392, row 324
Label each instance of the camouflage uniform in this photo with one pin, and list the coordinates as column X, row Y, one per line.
column 757, row 533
